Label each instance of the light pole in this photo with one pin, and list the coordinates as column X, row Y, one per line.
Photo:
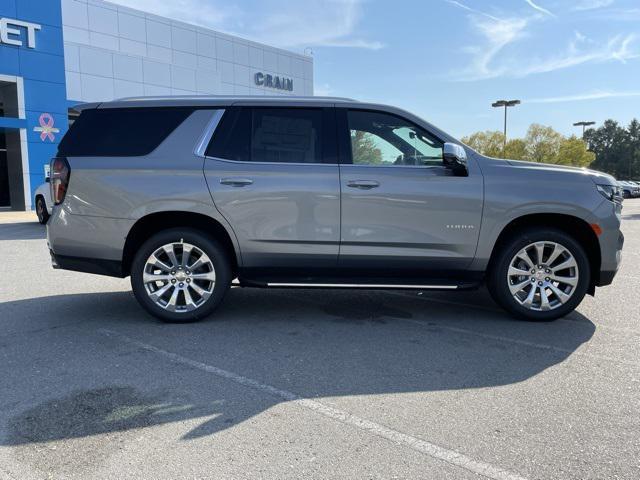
column 506, row 104
column 583, row 125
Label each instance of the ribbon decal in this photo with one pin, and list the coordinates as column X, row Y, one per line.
column 46, row 127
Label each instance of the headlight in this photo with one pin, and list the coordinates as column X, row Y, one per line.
column 610, row 192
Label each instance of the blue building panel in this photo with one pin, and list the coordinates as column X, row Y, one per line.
column 8, row 8
column 9, row 60
column 46, row 12
column 41, row 70
column 45, row 97
column 42, row 66
column 44, row 153
column 12, row 123
column 48, row 39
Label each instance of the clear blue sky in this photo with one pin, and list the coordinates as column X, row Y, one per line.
column 447, row 60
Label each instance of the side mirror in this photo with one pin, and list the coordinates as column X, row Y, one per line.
column 454, row 157
column 47, row 180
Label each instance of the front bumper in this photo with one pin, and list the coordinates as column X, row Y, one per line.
column 606, row 276
column 608, row 216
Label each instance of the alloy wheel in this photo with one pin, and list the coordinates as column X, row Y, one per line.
column 179, row 277
column 543, row 276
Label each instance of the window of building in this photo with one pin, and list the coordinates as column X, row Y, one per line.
column 379, row 138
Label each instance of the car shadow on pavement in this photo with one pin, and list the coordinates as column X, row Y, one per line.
column 22, row 231
column 314, row 343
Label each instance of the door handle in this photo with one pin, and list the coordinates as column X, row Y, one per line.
column 363, row 184
column 236, row 182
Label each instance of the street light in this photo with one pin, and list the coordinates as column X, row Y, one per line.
column 583, row 125
column 506, row 104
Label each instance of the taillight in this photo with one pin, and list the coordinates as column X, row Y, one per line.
column 60, row 172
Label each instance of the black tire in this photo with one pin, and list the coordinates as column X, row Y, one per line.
column 216, row 253
column 41, row 210
column 497, row 276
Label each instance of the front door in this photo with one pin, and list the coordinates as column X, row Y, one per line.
column 402, row 210
column 273, row 175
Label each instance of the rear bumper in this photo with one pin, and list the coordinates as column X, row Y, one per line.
column 110, row 268
column 86, row 243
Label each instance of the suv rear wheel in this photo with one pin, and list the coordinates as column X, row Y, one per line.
column 180, row 275
column 540, row 274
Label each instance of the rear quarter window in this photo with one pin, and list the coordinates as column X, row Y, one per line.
column 120, row 132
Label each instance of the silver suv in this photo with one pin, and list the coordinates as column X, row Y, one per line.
column 189, row 194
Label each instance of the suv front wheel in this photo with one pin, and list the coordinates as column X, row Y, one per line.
column 180, row 275
column 539, row 274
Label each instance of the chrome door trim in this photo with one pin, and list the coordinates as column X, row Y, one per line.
column 201, row 147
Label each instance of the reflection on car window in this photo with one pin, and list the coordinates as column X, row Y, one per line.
column 286, row 135
column 279, row 135
column 383, row 139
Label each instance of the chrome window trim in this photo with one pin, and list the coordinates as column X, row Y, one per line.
column 392, row 166
column 245, row 162
column 201, row 147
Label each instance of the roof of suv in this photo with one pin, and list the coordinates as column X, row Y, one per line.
column 213, row 101
column 220, row 101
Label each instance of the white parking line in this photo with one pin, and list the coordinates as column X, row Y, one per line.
column 452, row 457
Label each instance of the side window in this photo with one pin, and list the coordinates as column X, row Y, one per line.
column 379, row 138
column 282, row 135
column 120, row 132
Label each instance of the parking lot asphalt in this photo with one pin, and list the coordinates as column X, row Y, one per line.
column 311, row 383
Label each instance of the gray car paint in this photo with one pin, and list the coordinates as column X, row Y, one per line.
column 421, row 217
column 289, row 216
column 275, row 221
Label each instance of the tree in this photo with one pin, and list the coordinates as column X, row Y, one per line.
column 611, row 148
column 617, row 149
column 516, row 149
column 489, row 143
column 364, row 149
column 633, row 146
column 542, row 144
column 573, row 151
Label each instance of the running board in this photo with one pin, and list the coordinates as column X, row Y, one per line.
column 362, row 285
column 385, row 285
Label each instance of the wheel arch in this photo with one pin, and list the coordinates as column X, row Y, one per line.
column 574, row 226
column 153, row 223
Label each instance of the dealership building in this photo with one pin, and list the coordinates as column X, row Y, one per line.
column 57, row 53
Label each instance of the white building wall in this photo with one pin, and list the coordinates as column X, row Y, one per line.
column 113, row 51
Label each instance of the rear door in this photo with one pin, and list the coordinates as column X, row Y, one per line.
column 273, row 174
column 401, row 208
